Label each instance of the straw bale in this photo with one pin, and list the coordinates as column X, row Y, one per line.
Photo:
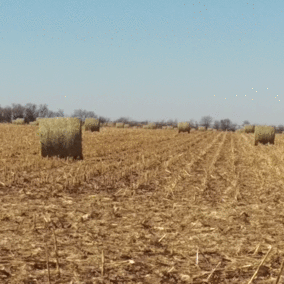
column 92, row 124
column 34, row 123
column 183, row 127
column 119, row 125
column 201, row 128
column 249, row 128
column 170, row 127
column 18, row 121
column 152, row 125
column 61, row 137
column 264, row 134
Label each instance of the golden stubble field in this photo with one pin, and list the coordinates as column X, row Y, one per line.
column 144, row 206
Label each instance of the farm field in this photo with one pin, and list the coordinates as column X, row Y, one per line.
column 144, row 206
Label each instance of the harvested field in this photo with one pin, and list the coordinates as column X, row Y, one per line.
column 142, row 207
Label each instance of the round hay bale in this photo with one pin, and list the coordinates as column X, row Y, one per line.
column 264, row 134
column 18, row 121
column 119, row 125
column 92, row 124
column 152, row 125
column 34, row 123
column 126, row 126
column 249, row 128
column 170, row 127
column 201, row 128
column 183, row 127
column 61, row 137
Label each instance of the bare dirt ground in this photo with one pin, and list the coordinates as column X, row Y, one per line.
column 144, row 206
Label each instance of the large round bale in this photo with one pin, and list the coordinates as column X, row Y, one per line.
column 201, row 128
column 264, row 134
column 119, row 125
column 249, row 128
column 92, row 124
column 183, row 127
column 152, row 125
column 61, row 137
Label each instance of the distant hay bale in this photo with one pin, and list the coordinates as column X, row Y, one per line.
column 170, row 127
column 152, row 125
column 126, row 126
column 111, row 124
column 145, row 126
column 209, row 129
column 92, row 124
column 61, row 137
column 264, row 134
column 34, row 123
column 18, row 121
column 119, row 125
column 201, row 128
column 249, row 128
column 183, row 127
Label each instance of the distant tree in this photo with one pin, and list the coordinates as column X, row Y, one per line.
column 123, row 120
column 216, row 124
column 225, row 124
column 17, row 111
column 103, row 119
column 6, row 114
column 30, row 113
column 42, row 111
column 83, row 114
column 245, row 122
column 206, row 121
column 280, row 128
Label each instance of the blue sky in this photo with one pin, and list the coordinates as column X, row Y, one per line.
column 146, row 59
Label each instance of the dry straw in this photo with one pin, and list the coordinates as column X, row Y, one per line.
column 119, row 125
column 264, row 134
column 92, row 124
column 61, row 137
column 183, row 127
column 249, row 128
column 201, row 128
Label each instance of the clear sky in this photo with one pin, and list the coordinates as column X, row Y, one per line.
column 146, row 60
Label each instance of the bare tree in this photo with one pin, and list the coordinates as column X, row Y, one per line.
column 17, row 111
column 30, row 113
column 206, row 121
column 245, row 122
column 280, row 128
column 42, row 111
column 225, row 124
column 216, row 124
